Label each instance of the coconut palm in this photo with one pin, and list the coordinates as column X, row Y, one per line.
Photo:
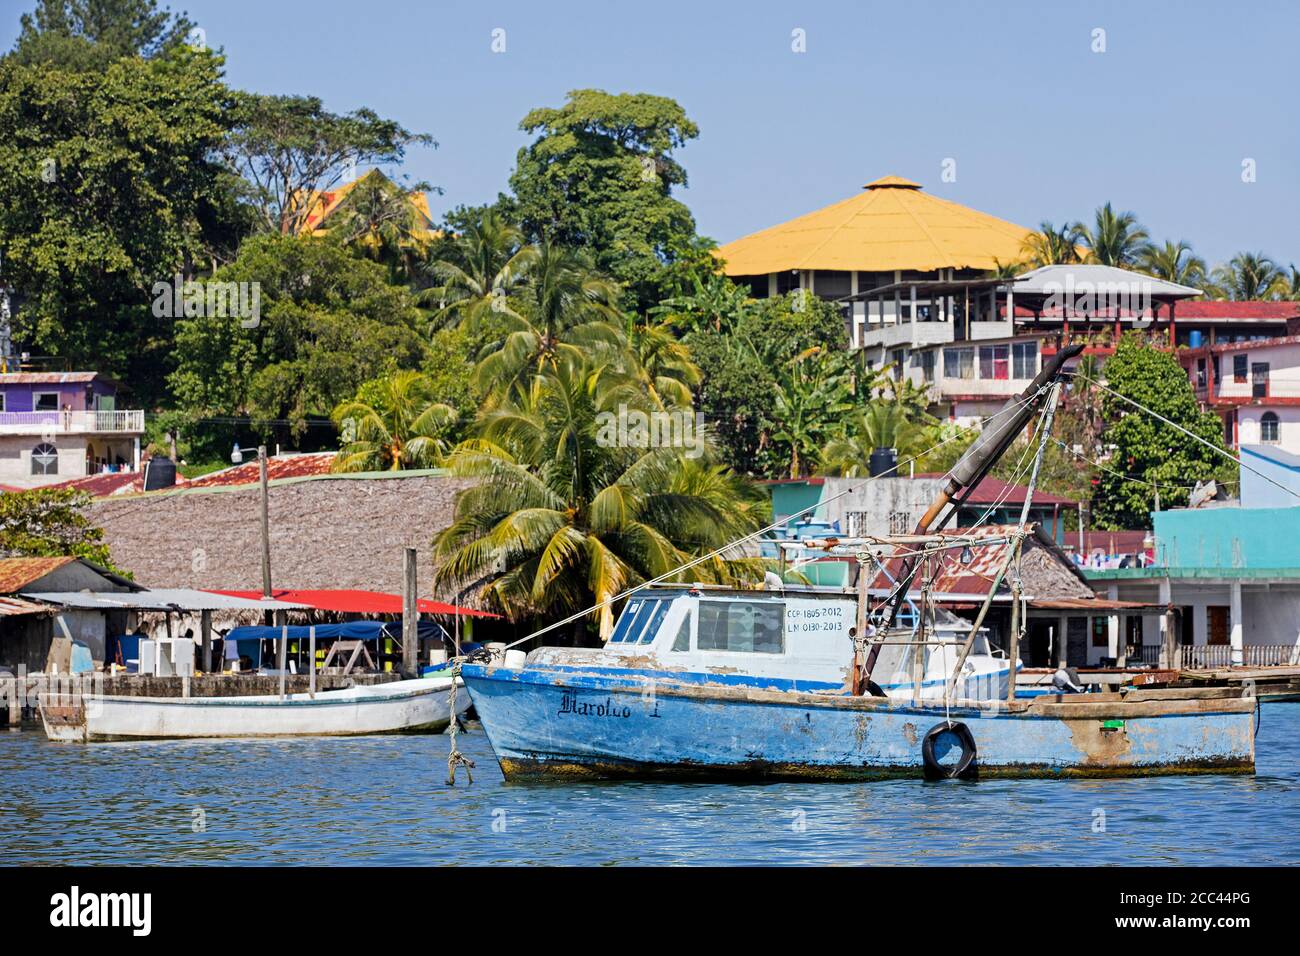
column 1287, row 284
column 1174, row 262
column 480, row 270
column 379, row 218
column 660, row 364
column 882, row 424
column 1115, row 238
column 392, row 424
column 1247, row 275
column 1050, row 246
column 565, row 311
column 565, row 517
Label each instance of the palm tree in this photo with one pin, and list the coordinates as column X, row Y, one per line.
column 661, row 364
column 811, row 397
column 882, row 424
column 1248, row 275
column 378, row 217
column 483, row 266
column 1115, row 238
column 1287, row 284
column 1174, row 262
column 1050, row 246
column 565, row 312
column 567, row 519
column 393, row 424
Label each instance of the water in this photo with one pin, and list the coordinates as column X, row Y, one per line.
column 384, row 800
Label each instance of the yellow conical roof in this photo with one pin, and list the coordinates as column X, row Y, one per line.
column 892, row 224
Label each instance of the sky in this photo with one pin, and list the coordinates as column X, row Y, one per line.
column 1034, row 113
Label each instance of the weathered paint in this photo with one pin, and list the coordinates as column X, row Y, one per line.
column 562, row 722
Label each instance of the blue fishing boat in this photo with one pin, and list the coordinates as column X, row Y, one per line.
column 783, row 682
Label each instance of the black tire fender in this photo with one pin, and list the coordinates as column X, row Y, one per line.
column 966, row 768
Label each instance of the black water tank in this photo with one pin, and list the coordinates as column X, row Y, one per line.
column 160, row 473
column 884, row 461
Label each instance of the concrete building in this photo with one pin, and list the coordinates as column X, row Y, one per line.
column 60, row 425
column 1254, row 386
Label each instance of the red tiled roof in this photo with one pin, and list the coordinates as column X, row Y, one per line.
column 46, row 378
column 101, row 486
column 357, row 602
column 1277, row 311
column 993, row 490
column 18, row 573
column 277, row 467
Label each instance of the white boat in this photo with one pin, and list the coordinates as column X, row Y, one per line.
column 408, row 706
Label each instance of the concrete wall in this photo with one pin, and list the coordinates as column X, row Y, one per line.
column 1288, row 426
column 1283, row 376
column 1228, row 537
column 1259, row 482
column 16, row 458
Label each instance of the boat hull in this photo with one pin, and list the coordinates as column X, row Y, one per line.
column 549, row 723
column 414, row 706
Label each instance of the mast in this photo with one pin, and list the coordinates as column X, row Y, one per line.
column 970, row 470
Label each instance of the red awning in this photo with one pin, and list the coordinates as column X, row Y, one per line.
column 356, row 602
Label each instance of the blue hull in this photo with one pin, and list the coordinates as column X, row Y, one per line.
column 566, row 722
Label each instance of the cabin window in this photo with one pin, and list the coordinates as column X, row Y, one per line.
column 742, row 626
column 634, row 616
column 682, row 642
column 651, row 628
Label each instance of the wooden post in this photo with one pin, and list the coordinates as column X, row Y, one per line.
column 311, row 639
column 1013, row 645
column 861, row 625
column 205, row 631
column 266, row 523
column 284, row 649
column 410, row 620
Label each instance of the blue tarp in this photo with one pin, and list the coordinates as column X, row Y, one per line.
column 349, row 631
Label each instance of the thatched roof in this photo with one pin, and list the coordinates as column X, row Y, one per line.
column 338, row 531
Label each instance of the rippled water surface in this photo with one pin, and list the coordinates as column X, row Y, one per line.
column 384, row 800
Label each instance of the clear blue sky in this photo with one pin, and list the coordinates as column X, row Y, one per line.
column 1040, row 126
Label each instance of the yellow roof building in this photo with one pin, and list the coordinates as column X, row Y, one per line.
column 891, row 225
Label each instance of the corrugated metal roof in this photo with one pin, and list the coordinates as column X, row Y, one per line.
column 1068, row 279
column 17, row 573
column 354, row 601
column 892, row 224
column 46, row 378
column 162, row 599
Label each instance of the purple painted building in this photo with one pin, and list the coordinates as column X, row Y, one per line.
column 60, row 425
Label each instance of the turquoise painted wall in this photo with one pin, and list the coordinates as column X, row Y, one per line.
column 1228, row 538
column 793, row 497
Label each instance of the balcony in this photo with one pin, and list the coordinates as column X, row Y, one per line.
column 91, row 422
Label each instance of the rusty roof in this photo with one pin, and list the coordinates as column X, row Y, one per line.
column 17, row 573
column 277, row 467
column 46, row 378
column 13, row 607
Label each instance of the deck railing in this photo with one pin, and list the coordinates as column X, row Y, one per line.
column 90, row 420
column 1216, row 656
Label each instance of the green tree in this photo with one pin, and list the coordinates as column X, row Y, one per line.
column 599, row 176
column 83, row 35
column 378, row 217
column 565, row 310
column 712, row 302
column 51, row 522
column 660, row 364
column 1248, row 275
column 289, row 149
column 812, row 396
column 1052, row 246
column 1146, row 453
column 328, row 322
column 476, row 272
column 882, row 424
column 1174, row 262
column 106, row 183
column 573, row 518
column 1115, row 238
column 393, row 423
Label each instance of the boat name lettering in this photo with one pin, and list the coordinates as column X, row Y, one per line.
column 569, row 704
